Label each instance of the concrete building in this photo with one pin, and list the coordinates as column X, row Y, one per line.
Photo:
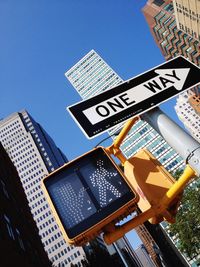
column 144, row 256
column 194, row 100
column 34, row 155
column 20, row 244
column 187, row 14
column 186, row 104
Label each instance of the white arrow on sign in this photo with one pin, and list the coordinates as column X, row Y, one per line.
column 164, row 81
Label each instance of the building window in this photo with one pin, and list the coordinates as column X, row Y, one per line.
column 9, row 227
column 158, row 2
column 20, row 239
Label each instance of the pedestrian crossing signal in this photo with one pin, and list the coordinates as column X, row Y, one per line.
column 87, row 194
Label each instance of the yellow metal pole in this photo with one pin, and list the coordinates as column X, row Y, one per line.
column 124, row 132
column 177, row 187
column 121, row 230
column 114, row 148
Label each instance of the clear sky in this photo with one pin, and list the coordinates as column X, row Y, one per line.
column 41, row 39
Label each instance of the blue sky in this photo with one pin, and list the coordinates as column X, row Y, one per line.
column 41, row 39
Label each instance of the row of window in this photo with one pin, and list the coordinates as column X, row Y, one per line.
column 26, row 154
column 171, row 165
column 19, row 141
column 27, row 167
column 47, row 223
column 34, row 190
column 44, row 216
column 68, row 260
column 51, row 239
column 98, row 86
column 80, row 64
column 51, row 230
column 39, row 202
column 18, row 136
column 13, row 125
column 94, row 63
column 27, row 162
column 88, row 80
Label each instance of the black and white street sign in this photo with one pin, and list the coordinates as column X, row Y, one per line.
column 135, row 96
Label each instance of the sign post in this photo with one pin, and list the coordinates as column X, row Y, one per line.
column 135, row 96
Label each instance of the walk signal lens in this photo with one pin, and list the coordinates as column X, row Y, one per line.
column 86, row 191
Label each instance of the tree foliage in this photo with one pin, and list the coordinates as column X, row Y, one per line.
column 187, row 226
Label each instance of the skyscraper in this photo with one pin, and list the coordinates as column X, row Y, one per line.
column 20, row 243
column 34, row 155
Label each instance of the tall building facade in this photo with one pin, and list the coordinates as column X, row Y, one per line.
column 20, row 243
column 91, row 76
column 187, row 13
column 34, row 155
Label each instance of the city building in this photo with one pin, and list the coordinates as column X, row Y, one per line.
column 187, row 14
column 127, row 254
column 194, row 100
column 144, row 256
column 163, row 19
column 173, row 40
column 20, row 244
column 187, row 105
column 34, row 155
column 148, row 240
column 92, row 75
column 118, row 254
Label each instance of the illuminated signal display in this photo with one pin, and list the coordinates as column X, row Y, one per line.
column 86, row 191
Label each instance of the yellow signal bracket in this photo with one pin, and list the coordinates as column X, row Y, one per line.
column 159, row 193
column 114, row 148
column 178, row 186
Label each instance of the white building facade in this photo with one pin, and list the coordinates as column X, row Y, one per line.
column 34, row 155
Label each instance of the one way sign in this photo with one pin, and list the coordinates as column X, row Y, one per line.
column 135, row 96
